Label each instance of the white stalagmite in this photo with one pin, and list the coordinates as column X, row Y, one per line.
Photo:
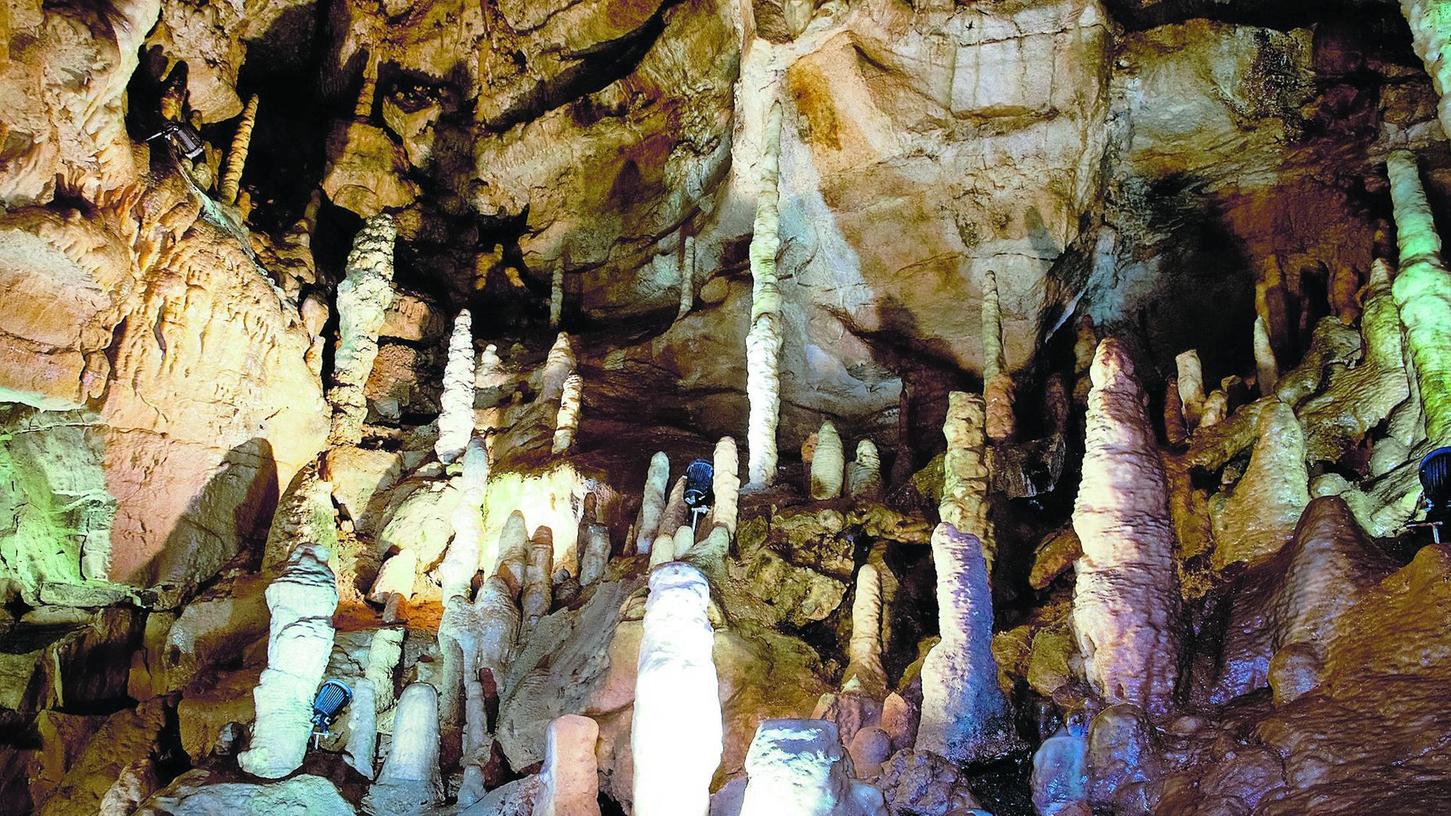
column 682, row 542
column 726, row 485
column 864, row 670
column 566, row 422
column 237, row 156
column 362, row 743
column 864, row 474
column 362, row 301
column 687, row 275
column 798, row 768
column 652, row 502
column 558, row 365
column 965, row 481
column 828, row 465
column 1267, row 370
column 301, row 600
column 1191, row 386
column 456, row 417
column 461, row 561
column 556, row 296
column 384, row 652
column 538, row 592
column 662, row 551
column 1431, row 39
column 514, row 548
column 965, row 714
column 1126, row 597
column 409, row 781
column 763, row 341
column 570, row 772
column 677, row 735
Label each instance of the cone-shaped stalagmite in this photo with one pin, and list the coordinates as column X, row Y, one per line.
column 1191, row 386
column 1126, row 599
column 1423, row 293
column 726, row 484
column 965, row 475
column 997, row 384
column 237, row 156
column 538, row 593
column 763, row 341
column 864, row 670
column 965, row 715
column 676, row 736
column 410, row 781
column 1267, row 370
column 1256, row 520
column 363, row 300
column 456, row 417
column 566, row 421
column 864, row 474
column 828, row 466
column 798, row 768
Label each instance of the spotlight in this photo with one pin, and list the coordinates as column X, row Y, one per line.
column 1436, row 489
column 331, row 699
column 699, row 477
column 183, row 138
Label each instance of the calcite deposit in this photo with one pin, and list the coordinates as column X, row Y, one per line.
column 768, row 407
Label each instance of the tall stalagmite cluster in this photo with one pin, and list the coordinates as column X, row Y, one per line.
column 363, row 300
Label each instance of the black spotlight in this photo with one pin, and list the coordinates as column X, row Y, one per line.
column 1436, row 489
column 183, row 138
column 331, row 699
column 699, row 477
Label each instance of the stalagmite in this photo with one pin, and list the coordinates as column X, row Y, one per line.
column 1060, row 771
column 362, row 742
column 1175, row 432
column 726, row 484
column 496, row 607
column 965, row 715
column 798, row 768
column 1267, row 370
column 301, row 601
column 709, row 555
column 594, row 554
column 676, row 735
column 409, row 781
column 662, row 551
column 687, row 275
column 384, row 652
column 864, row 670
column 237, row 156
column 556, row 296
column 1216, row 409
column 997, row 383
column 456, row 417
column 652, row 502
column 675, row 513
column 538, row 593
column 514, row 548
column 461, row 560
column 570, row 773
column 828, row 465
column 763, row 341
column 1259, row 516
column 1126, row 598
column 864, row 474
column 368, row 90
column 1191, row 386
column 566, row 422
column 964, row 471
column 1431, row 40
column 558, row 365
column 362, row 301
column 1423, row 292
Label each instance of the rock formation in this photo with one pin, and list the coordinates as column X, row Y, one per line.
column 237, row 156
column 864, row 474
column 965, row 715
column 965, row 474
column 409, row 780
column 652, row 502
column 828, row 465
column 763, row 342
column 456, row 419
column 1423, row 293
column 1125, row 601
column 1430, row 37
column 864, row 652
column 363, row 299
column 676, row 727
column 1191, row 386
column 725, row 484
column 538, row 591
column 566, row 422
column 570, row 776
column 798, row 768
column 1256, row 520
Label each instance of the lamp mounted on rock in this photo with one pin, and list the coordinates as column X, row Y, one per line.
column 332, row 697
column 699, row 479
column 183, row 138
column 1435, row 472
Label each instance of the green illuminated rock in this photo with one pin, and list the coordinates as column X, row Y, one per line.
column 1423, row 294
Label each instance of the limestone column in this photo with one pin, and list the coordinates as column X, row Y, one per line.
column 965, row 475
column 726, row 484
column 864, row 670
column 456, row 415
column 570, row 773
column 677, row 735
column 763, row 341
column 409, row 781
column 965, row 715
column 1422, row 288
column 1126, row 599
column 362, row 301
column 997, row 383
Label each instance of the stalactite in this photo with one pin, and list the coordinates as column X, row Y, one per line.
column 456, row 417
column 798, row 768
column 538, row 593
column 301, row 601
column 864, row 475
column 828, row 464
column 965, row 474
column 1266, row 368
column 1191, row 386
column 566, row 422
column 763, row 341
column 362, row 301
column 687, row 275
column 1126, row 598
column 1431, row 40
column 676, row 734
column 237, row 156
column 1423, row 293
column 652, row 502
column 726, row 484
column 556, row 296
column 965, row 715
column 864, row 670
